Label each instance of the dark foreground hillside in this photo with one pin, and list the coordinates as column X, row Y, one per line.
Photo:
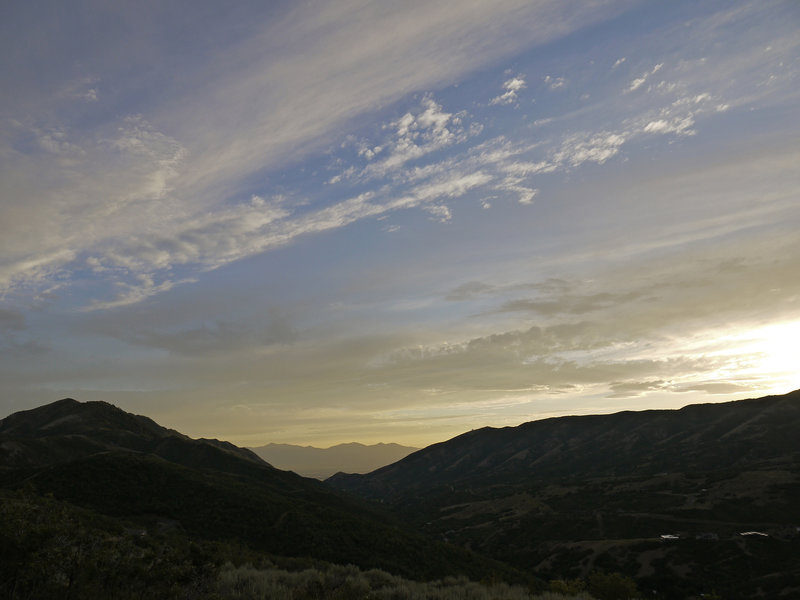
column 690, row 501
column 124, row 473
column 52, row 549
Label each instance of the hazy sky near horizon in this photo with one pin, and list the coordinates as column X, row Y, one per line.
column 322, row 222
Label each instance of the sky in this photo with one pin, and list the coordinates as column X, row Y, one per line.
column 323, row 222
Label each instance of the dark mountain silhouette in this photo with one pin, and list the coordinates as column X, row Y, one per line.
column 67, row 430
column 567, row 495
column 687, row 502
column 98, row 457
column 698, row 437
column 321, row 463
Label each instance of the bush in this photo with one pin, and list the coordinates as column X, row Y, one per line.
column 611, row 586
column 334, row 582
column 568, row 587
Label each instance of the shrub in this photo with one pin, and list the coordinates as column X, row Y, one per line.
column 568, row 587
column 611, row 586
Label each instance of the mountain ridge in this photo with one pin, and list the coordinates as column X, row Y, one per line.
column 669, row 498
column 567, row 445
column 67, row 429
column 127, row 467
column 321, row 463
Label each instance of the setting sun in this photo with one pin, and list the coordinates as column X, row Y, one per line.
column 776, row 349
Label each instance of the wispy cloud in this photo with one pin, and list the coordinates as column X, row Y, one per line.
column 554, row 83
column 120, row 191
column 178, row 156
column 606, row 332
column 416, row 135
column 345, row 66
column 512, row 88
column 640, row 81
column 143, row 287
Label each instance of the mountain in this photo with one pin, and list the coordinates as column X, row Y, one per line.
column 695, row 438
column 321, row 463
column 568, row 495
column 67, row 430
column 699, row 501
column 130, row 469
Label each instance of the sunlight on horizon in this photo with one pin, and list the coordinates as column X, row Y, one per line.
column 777, row 354
column 765, row 357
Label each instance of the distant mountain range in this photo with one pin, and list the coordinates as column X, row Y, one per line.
column 321, row 463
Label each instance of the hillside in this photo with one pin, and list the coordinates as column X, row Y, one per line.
column 321, row 463
column 568, row 495
column 67, row 430
column 126, row 467
column 662, row 497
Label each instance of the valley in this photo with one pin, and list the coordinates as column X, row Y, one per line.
column 681, row 504
column 661, row 496
column 321, row 463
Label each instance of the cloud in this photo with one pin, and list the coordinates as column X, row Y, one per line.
column 209, row 339
column 554, row 83
column 208, row 240
column 143, row 287
column 633, row 389
column 512, row 88
column 525, row 194
column 637, row 83
column 214, row 238
column 720, row 387
column 415, row 135
column 524, row 169
column 440, row 212
column 137, row 165
column 143, row 162
column 56, row 141
column 135, row 200
column 567, row 304
column 124, row 180
column 640, row 81
column 627, row 341
column 337, row 63
column 453, row 187
column 679, row 126
column 100, row 188
column 650, row 326
column 32, row 269
column 596, row 147
column 468, row 291
column 530, row 362
column 507, row 167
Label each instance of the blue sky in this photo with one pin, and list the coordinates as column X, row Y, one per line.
column 315, row 222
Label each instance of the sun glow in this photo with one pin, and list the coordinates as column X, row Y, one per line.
column 775, row 350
